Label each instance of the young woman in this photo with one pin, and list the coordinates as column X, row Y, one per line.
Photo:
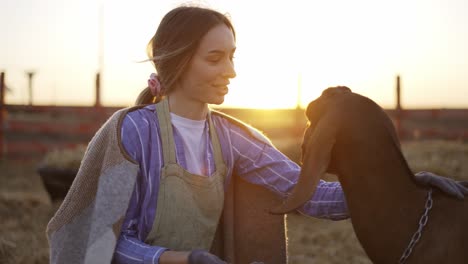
column 182, row 156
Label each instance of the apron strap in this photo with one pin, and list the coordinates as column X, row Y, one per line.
column 168, row 145
column 165, row 126
column 218, row 154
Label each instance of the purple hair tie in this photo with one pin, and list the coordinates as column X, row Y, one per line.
column 154, row 84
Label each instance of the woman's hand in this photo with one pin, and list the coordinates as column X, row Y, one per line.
column 174, row 257
column 449, row 186
column 199, row 256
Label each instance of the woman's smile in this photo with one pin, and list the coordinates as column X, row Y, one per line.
column 221, row 89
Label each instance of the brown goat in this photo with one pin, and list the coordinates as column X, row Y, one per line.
column 351, row 136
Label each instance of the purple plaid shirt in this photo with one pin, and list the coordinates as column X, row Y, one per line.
column 248, row 156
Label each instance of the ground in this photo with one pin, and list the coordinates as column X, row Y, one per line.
column 25, row 209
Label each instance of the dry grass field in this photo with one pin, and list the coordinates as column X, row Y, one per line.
column 25, row 210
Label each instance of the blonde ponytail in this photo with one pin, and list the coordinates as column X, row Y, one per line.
column 145, row 97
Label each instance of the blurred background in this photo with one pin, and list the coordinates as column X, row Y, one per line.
column 363, row 44
column 67, row 65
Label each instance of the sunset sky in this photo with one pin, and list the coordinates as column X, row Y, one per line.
column 363, row 44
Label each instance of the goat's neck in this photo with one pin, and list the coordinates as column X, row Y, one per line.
column 384, row 203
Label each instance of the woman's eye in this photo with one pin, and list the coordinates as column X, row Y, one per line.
column 214, row 60
column 219, row 59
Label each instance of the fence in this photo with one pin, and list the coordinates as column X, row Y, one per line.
column 29, row 131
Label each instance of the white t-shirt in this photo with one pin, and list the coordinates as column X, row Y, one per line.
column 194, row 143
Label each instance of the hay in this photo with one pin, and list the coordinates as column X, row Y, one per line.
column 69, row 158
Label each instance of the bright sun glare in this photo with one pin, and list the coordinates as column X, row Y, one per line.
column 307, row 52
column 286, row 51
column 278, row 62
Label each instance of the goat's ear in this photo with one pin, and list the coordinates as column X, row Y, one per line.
column 315, row 163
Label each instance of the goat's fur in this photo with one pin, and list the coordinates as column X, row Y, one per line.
column 351, row 136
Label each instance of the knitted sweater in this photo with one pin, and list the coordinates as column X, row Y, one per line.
column 86, row 226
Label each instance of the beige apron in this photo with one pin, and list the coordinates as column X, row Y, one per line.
column 189, row 206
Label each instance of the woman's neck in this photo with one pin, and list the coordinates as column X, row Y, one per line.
column 187, row 107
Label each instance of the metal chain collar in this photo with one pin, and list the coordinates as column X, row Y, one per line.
column 417, row 234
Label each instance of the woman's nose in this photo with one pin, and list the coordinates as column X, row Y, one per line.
column 229, row 71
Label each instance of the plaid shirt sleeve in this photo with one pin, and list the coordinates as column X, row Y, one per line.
column 130, row 246
column 260, row 163
column 132, row 251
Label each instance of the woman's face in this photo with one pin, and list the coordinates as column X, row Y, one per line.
column 207, row 76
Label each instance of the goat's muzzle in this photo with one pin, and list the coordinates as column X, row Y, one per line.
column 319, row 139
column 317, row 149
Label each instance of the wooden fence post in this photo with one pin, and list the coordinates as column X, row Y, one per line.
column 98, row 90
column 398, row 114
column 2, row 115
column 30, row 86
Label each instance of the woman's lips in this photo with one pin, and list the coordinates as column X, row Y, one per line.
column 222, row 89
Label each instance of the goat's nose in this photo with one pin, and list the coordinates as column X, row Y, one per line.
column 343, row 89
column 335, row 90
